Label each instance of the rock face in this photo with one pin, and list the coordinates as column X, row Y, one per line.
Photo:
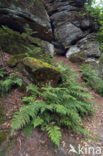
column 64, row 23
column 16, row 14
column 86, row 50
column 40, row 72
column 69, row 20
column 68, row 34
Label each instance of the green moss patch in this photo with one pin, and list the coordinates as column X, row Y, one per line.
column 41, row 72
column 14, row 60
column 15, row 43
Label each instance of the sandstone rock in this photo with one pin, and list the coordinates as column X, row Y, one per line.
column 68, row 34
column 90, row 46
column 70, row 20
column 16, row 14
column 48, row 47
column 58, row 5
column 86, row 50
column 40, row 72
column 72, row 50
column 77, row 57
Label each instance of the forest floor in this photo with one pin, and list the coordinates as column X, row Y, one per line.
column 38, row 144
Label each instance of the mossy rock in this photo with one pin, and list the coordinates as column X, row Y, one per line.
column 79, row 57
column 2, row 137
column 15, row 43
column 41, row 72
column 14, row 60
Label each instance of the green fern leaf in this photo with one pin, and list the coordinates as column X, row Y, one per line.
column 54, row 133
column 37, row 122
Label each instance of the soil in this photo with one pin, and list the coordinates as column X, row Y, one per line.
column 38, row 144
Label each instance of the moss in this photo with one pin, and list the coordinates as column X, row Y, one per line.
column 14, row 60
column 79, row 57
column 37, row 63
column 15, row 42
column 2, row 137
column 41, row 72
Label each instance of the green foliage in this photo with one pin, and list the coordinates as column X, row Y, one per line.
column 22, row 43
column 28, row 130
column 14, row 40
column 96, row 11
column 55, row 108
column 3, row 73
column 8, row 83
column 37, row 121
column 54, row 133
column 92, row 78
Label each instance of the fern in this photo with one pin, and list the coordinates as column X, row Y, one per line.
column 28, row 99
column 3, row 73
column 6, row 85
column 28, row 130
column 37, row 121
column 92, row 79
column 33, row 89
column 23, row 117
column 54, row 133
column 63, row 106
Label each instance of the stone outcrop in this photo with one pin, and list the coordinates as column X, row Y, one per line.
column 17, row 13
column 69, row 20
column 63, row 26
column 86, row 50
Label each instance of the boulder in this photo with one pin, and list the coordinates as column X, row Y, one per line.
column 58, row 5
column 48, row 48
column 70, row 20
column 97, row 64
column 16, row 14
column 68, row 34
column 90, row 46
column 86, row 50
column 40, row 72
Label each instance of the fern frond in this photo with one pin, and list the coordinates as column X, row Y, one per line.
column 37, row 121
column 54, row 133
column 33, row 89
column 29, row 99
column 23, row 117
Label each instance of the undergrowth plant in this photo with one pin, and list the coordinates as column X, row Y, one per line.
column 54, row 108
column 36, row 50
column 3, row 73
column 8, row 83
column 96, row 11
column 92, row 79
